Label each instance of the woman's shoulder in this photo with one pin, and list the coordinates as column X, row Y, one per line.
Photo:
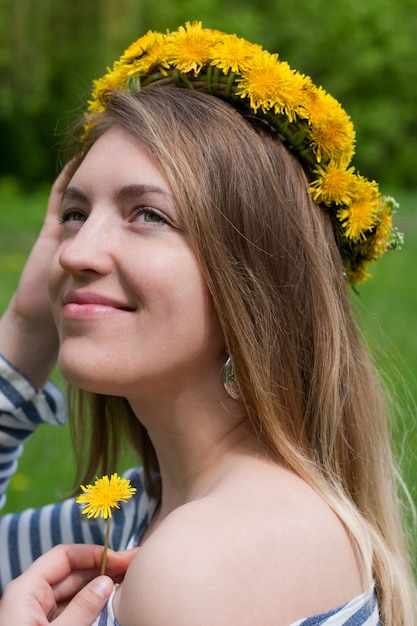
column 247, row 552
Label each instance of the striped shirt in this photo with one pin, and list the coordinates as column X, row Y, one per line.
column 25, row 536
column 361, row 611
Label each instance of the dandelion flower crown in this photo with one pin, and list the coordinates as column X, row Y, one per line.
column 310, row 122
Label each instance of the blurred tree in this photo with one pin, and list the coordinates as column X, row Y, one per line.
column 365, row 54
column 362, row 52
column 49, row 53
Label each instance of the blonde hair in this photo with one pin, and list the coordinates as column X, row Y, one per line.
column 271, row 262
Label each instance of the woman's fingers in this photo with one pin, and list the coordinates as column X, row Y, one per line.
column 84, row 562
column 62, row 587
column 87, row 604
column 64, row 560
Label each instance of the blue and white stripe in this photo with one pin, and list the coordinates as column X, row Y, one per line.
column 361, row 611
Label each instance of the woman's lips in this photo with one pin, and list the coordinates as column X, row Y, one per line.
column 88, row 304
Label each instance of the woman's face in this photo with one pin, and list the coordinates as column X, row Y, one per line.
column 133, row 312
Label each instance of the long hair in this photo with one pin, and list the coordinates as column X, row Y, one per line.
column 269, row 256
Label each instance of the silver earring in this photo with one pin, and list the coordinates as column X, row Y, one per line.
column 229, row 380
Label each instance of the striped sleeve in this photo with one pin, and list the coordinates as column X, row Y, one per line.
column 23, row 408
column 361, row 611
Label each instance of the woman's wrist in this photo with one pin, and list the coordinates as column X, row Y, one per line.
column 30, row 346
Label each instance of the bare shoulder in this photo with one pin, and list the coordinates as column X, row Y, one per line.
column 269, row 551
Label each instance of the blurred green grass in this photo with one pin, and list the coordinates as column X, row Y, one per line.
column 385, row 307
column 46, row 468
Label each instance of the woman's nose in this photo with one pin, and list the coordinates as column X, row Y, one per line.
column 88, row 249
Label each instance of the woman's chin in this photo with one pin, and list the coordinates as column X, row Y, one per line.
column 87, row 378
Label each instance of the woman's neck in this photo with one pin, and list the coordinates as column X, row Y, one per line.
column 195, row 441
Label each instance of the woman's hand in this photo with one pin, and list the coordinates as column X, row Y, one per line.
column 28, row 337
column 62, row 587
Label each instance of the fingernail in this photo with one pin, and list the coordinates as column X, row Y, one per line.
column 102, row 586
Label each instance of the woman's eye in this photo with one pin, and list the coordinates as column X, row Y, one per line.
column 72, row 215
column 146, row 214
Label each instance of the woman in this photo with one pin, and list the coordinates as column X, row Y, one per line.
column 210, row 226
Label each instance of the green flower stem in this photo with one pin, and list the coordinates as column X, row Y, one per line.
column 106, row 546
column 230, row 85
column 209, row 79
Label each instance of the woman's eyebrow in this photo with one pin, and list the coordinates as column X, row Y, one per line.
column 131, row 192
column 72, row 193
column 127, row 192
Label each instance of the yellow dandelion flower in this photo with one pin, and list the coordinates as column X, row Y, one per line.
column 381, row 238
column 114, row 79
column 99, row 85
column 332, row 137
column 383, row 235
column 230, row 53
column 332, row 133
column 190, row 48
column 105, row 495
column 361, row 214
column 317, row 104
column 142, row 46
column 145, row 53
column 118, row 77
column 93, row 106
column 266, row 82
column 333, row 185
column 386, row 237
column 295, row 92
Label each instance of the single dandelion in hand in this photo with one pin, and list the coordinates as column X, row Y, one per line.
column 101, row 498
